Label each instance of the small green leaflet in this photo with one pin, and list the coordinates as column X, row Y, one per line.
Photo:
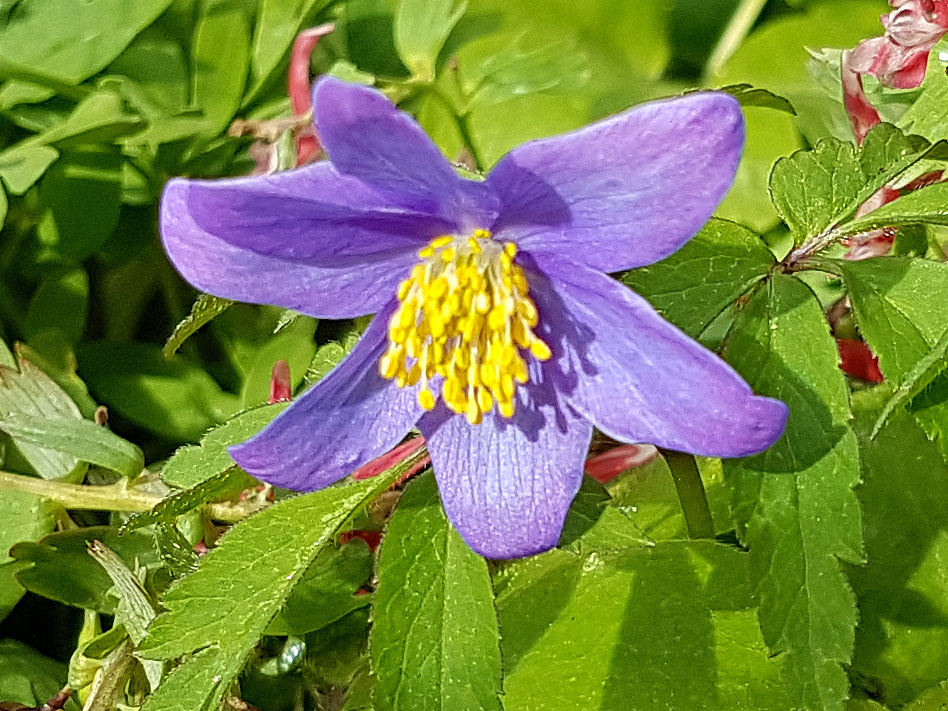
column 205, row 308
column 749, row 95
column 816, row 189
column 795, row 507
column 218, row 613
column 928, row 206
column 696, row 283
column 220, row 63
column 81, row 439
column 435, row 640
column 893, row 298
column 421, row 29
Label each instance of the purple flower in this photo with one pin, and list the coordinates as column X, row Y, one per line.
column 499, row 334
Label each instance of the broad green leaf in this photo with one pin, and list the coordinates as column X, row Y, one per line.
column 191, row 465
column 926, row 206
column 70, row 40
column 221, row 59
column 892, row 298
column 28, row 677
column 81, row 439
column 278, row 22
column 25, row 517
column 172, row 398
column 902, row 637
column 218, row 613
column 81, row 194
column 934, row 699
column 794, row 503
column 434, row 641
column 696, row 283
column 59, row 566
column 22, row 165
column 327, row 591
column 159, row 70
column 99, row 118
column 60, row 302
column 421, row 29
column 31, row 392
column 928, row 114
column 669, row 627
column 205, row 308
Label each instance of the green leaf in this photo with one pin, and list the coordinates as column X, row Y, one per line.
column 221, row 60
column 928, row 114
column 28, row 677
column 175, row 550
column 902, row 638
column 60, row 302
column 669, row 627
column 935, row 699
column 31, row 392
column 157, row 68
column 218, row 613
column 191, row 465
column 435, row 641
column 59, row 566
column 421, row 29
column 205, row 308
column 928, row 206
column 80, row 439
column 794, row 503
column 81, row 194
column 98, row 118
column 25, row 517
column 329, row 355
column 173, row 398
column 278, row 23
column 696, row 283
column 892, row 298
column 70, row 40
column 295, row 345
column 22, row 165
column 327, row 591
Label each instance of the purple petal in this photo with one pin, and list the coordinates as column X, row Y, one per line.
column 347, row 419
column 312, row 215
column 206, row 259
column 367, row 137
column 624, row 192
column 508, row 484
column 640, row 379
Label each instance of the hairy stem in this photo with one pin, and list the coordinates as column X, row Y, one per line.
column 691, row 494
column 741, row 23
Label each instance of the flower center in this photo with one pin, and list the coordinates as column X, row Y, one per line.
column 465, row 315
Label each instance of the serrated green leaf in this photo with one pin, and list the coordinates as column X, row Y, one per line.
column 219, row 612
column 892, row 298
column 327, row 591
column 794, row 503
column 928, row 206
column 902, row 637
column 191, row 465
column 421, row 29
column 218, row 486
column 696, row 283
column 669, row 627
column 329, row 355
column 928, row 114
column 31, row 392
column 175, row 550
column 435, row 640
column 205, row 308
column 79, row 439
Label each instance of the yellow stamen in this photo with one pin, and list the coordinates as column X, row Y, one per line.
column 465, row 314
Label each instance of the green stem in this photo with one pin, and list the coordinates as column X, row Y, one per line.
column 114, row 497
column 691, row 494
column 741, row 23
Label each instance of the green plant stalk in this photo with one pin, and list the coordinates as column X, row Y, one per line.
column 114, row 497
column 691, row 494
column 737, row 29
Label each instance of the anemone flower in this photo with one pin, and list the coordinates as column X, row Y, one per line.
column 499, row 333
